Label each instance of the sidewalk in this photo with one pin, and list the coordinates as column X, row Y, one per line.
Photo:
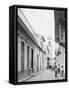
column 38, row 76
column 45, row 75
column 27, row 75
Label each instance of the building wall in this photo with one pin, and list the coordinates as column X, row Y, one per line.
column 36, row 63
column 36, row 52
column 19, row 54
column 60, row 35
column 27, row 37
column 59, row 26
column 25, row 53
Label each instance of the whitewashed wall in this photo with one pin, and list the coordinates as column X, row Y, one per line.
column 19, row 54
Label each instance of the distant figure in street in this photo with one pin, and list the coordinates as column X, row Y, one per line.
column 58, row 68
column 48, row 59
column 55, row 71
column 62, row 71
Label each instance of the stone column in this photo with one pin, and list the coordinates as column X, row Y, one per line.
column 25, row 56
column 29, row 57
column 19, row 54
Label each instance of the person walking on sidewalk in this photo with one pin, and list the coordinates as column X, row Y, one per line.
column 62, row 71
column 58, row 68
column 56, row 71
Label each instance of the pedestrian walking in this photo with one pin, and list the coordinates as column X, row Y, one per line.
column 62, row 71
column 58, row 68
column 55, row 71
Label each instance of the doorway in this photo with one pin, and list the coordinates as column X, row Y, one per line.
column 27, row 57
column 22, row 56
column 32, row 59
column 37, row 63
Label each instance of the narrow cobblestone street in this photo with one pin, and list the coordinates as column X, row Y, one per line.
column 45, row 75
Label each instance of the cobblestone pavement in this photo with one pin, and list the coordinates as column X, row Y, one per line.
column 45, row 75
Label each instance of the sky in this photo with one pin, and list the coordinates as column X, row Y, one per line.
column 42, row 21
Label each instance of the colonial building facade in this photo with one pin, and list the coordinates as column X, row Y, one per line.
column 31, row 55
column 60, row 35
column 60, row 26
